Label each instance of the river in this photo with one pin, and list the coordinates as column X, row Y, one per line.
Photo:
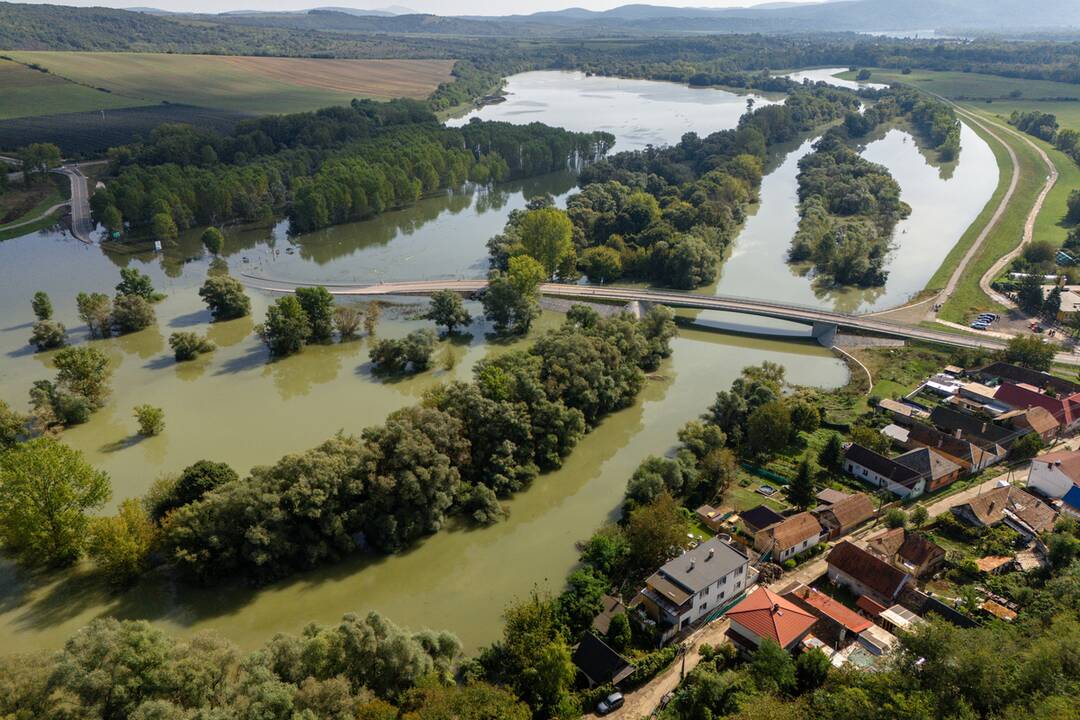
column 234, row 406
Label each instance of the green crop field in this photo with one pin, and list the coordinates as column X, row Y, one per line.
column 249, row 85
column 25, row 92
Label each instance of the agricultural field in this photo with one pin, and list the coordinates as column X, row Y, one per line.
column 89, row 134
column 25, row 92
column 250, row 85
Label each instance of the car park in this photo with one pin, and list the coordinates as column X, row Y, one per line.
column 611, row 703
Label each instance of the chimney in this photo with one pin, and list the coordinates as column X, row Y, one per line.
column 776, row 607
column 712, row 551
column 957, row 433
column 691, row 566
column 984, row 427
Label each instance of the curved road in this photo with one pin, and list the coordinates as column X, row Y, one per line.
column 81, row 224
column 745, row 306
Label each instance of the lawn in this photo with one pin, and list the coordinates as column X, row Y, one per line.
column 251, row 85
column 20, row 202
column 25, row 92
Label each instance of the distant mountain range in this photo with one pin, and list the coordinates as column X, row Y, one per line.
column 30, row 25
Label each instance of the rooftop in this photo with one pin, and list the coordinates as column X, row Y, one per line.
column 869, row 570
column 696, row 569
column 1067, row 462
column 794, row 530
column 927, row 463
column 770, row 616
column 852, row 510
column 760, row 517
column 1018, row 374
column 881, row 465
column 599, row 662
column 833, row 609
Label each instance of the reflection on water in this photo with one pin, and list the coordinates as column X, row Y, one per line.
column 943, row 206
column 638, row 112
column 458, row 579
column 232, row 405
column 828, row 75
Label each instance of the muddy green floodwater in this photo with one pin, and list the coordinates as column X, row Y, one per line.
column 234, row 405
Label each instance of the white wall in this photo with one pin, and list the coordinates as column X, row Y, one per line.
column 869, row 476
column 1049, row 479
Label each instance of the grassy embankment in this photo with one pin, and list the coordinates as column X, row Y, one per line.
column 19, row 204
column 973, row 91
column 248, row 85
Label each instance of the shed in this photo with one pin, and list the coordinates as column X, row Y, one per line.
column 599, row 663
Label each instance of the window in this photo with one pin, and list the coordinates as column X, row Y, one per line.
column 723, row 581
column 702, row 606
column 721, row 596
column 804, row 543
column 864, row 472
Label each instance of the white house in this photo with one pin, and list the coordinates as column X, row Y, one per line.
column 693, row 585
column 1054, row 474
column 881, row 472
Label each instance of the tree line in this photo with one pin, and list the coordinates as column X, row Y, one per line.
column 327, row 167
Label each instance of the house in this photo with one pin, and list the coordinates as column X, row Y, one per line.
column 1000, row 372
column 1064, row 408
column 907, row 551
column 1019, row 510
column 693, row 585
column 599, row 663
column 1054, row 474
column 1036, row 419
column 971, row 458
column 764, row 615
column 843, row 516
column 711, row 517
column 881, row 472
column 758, row 518
column 938, row 470
column 610, row 606
column 794, row 535
column 837, row 621
column 865, row 574
column 980, row 431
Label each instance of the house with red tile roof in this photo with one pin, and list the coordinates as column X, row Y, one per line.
column 764, row 615
column 838, row 622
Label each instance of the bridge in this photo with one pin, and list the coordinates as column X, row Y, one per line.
column 823, row 323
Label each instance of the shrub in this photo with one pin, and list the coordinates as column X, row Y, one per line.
column 188, row 346
column 132, row 313
column 48, row 335
column 151, row 420
column 896, row 518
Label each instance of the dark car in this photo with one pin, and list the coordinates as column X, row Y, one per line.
column 612, row 702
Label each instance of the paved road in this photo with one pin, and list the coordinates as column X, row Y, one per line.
column 81, row 224
column 745, row 306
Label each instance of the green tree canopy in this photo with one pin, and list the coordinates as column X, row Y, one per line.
column 46, row 489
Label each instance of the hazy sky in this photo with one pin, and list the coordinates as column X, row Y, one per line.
column 440, row 7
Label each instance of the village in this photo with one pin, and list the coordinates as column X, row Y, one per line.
column 937, row 514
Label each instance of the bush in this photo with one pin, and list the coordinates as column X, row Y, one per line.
column 132, row 313
column 213, row 240
column 151, row 420
column 410, row 354
column 896, row 518
column 48, row 335
column 225, row 297
column 649, row 666
column 188, row 346
column 790, row 564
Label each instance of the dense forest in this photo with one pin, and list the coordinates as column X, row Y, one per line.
column 666, row 214
column 327, row 167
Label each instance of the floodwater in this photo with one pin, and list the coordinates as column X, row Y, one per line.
column 235, row 406
column 944, row 201
column 829, row 75
column 637, row 112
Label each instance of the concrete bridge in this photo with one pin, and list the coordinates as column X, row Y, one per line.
column 823, row 323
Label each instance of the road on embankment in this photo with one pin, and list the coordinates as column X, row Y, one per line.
column 81, row 224
column 744, row 306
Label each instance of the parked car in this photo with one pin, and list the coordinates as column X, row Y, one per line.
column 979, row 325
column 992, row 316
column 611, row 703
column 987, row 317
column 666, row 700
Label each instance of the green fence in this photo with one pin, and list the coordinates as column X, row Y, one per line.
column 765, row 474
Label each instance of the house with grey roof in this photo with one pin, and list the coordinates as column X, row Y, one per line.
column 693, row 585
